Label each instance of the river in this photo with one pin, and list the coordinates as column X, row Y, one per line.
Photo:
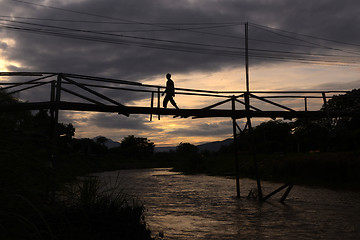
column 205, row 207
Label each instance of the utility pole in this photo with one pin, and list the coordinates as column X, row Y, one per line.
column 247, row 108
column 247, row 56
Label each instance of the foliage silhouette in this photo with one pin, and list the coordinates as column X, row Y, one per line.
column 137, row 147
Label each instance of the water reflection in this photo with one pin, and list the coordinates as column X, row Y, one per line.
column 204, row 207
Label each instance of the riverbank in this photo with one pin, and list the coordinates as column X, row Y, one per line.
column 336, row 170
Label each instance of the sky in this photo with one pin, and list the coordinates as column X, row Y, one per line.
column 293, row 45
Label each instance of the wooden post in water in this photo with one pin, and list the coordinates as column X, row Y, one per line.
column 283, row 198
column 235, row 149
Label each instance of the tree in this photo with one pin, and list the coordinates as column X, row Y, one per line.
column 190, row 159
column 348, row 102
column 273, row 136
column 187, row 149
column 137, row 146
column 345, row 131
column 12, row 121
column 310, row 134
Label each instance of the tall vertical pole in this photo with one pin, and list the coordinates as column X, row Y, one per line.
column 235, row 149
column 247, row 108
column 247, row 56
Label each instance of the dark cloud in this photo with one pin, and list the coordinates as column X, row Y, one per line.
column 68, row 117
column 3, row 46
column 105, row 120
column 212, row 129
column 332, row 19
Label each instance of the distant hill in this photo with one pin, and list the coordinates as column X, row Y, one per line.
column 211, row 146
column 214, row 146
column 108, row 143
column 164, row 149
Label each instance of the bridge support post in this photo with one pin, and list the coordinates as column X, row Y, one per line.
column 253, row 150
column 235, row 149
column 158, row 93
column 151, row 105
column 51, row 134
column 326, row 107
column 54, row 114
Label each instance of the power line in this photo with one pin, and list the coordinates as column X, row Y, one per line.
column 194, row 25
column 177, row 48
column 299, row 39
column 128, row 36
column 123, row 23
column 161, row 24
column 177, row 42
column 132, row 43
column 173, row 48
column 208, row 25
column 310, row 36
column 120, row 19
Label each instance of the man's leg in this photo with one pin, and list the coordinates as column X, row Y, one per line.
column 166, row 100
column 173, row 103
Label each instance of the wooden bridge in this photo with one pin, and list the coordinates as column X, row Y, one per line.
column 87, row 93
column 59, row 81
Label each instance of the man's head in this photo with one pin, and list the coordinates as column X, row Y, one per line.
column 168, row 76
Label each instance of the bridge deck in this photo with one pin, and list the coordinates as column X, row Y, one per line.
column 170, row 111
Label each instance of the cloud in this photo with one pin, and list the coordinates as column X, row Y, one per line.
column 223, row 128
column 141, row 54
column 106, row 120
column 339, row 85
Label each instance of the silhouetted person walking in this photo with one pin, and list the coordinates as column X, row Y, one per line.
column 170, row 92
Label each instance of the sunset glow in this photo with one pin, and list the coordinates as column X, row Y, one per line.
column 201, row 52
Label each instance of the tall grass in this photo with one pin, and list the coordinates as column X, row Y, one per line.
column 90, row 192
column 87, row 209
column 103, row 210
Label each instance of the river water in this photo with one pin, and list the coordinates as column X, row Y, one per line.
column 205, row 207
